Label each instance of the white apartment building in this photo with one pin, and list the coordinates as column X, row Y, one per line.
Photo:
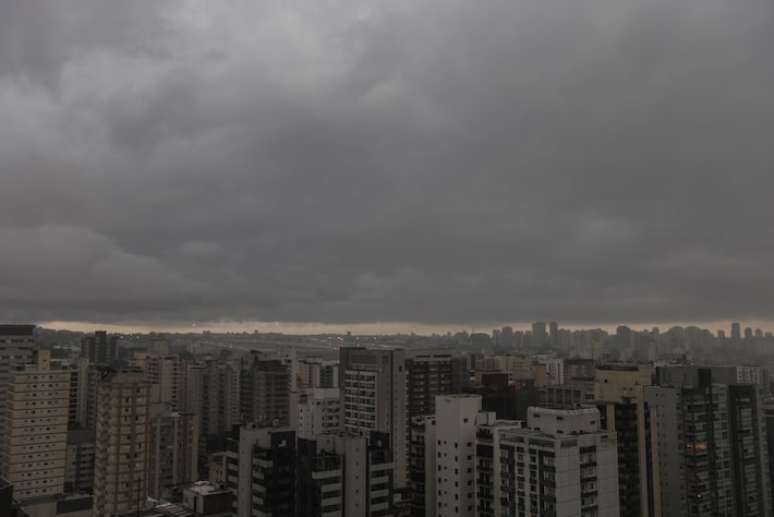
column 561, row 465
column 455, row 452
column 319, row 412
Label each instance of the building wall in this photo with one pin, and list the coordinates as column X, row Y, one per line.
column 455, row 435
column 35, row 441
column 373, row 389
column 123, row 439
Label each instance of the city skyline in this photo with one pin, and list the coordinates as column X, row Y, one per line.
column 380, row 328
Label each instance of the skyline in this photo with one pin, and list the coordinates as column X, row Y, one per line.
column 354, row 161
column 376, row 328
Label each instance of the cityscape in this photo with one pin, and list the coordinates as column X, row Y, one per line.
column 549, row 421
column 386, row 258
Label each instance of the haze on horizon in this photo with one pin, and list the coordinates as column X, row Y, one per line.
column 422, row 162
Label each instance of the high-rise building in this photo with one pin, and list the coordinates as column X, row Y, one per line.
column 620, row 399
column 431, row 374
column 318, row 373
column 174, row 450
column 34, row 445
column 273, row 472
column 553, row 333
column 561, row 464
column 168, row 372
column 212, row 393
column 539, row 337
column 17, row 347
column 710, row 448
column 79, row 470
column 319, row 411
column 123, row 438
column 748, row 333
column 736, row 331
column 342, row 475
column 769, row 417
column 265, row 393
column 261, row 471
column 373, row 392
column 455, row 451
column 100, row 348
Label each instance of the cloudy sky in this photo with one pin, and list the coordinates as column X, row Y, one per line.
column 353, row 161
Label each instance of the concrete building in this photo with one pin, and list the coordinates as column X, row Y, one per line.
column 174, row 451
column 318, row 373
column 261, row 471
column 343, row 475
column 710, row 449
column 213, row 394
column 17, row 346
column 554, row 370
column 620, row 398
column 79, row 468
column 561, row 465
column 100, row 348
column 206, row 499
column 265, row 393
column 34, row 444
column 422, row 466
column 444, row 458
column 455, row 435
column 319, row 411
column 373, row 387
column 553, row 333
column 539, row 336
column 123, row 437
column 168, row 372
column 431, row 374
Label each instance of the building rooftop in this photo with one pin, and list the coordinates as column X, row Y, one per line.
column 205, row 488
column 17, row 330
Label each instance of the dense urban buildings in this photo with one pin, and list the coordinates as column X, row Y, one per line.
column 548, row 422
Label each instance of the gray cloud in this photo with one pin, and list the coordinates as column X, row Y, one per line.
column 346, row 161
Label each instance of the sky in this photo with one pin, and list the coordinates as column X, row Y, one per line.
column 428, row 163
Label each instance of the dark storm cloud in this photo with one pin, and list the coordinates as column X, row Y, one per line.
column 428, row 161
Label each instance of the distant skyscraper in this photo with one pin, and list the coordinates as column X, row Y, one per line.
column 373, row 387
column 539, row 337
column 736, row 331
column 100, row 348
column 554, row 333
column 721, row 334
column 748, row 333
column 758, row 333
